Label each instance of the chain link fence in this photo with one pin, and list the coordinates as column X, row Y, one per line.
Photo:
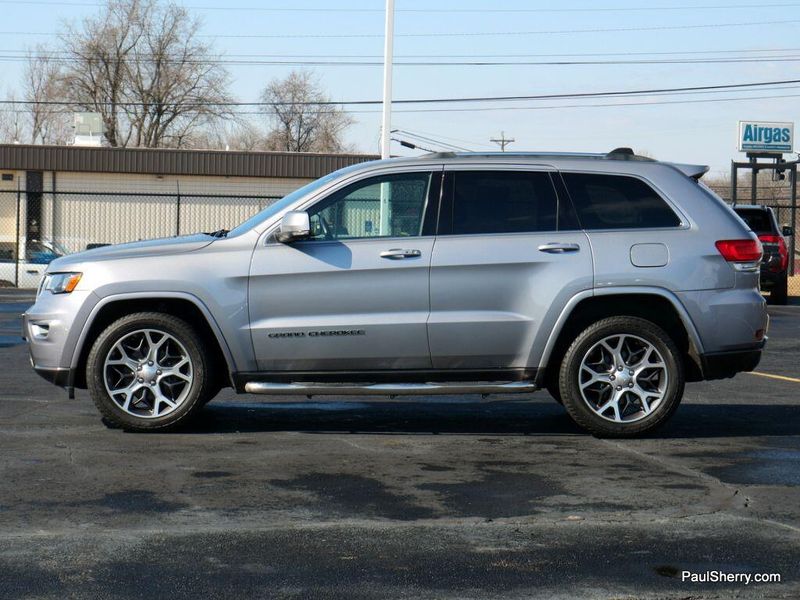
column 37, row 227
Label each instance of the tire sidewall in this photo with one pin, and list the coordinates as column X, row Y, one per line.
column 570, row 369
column 175, row 327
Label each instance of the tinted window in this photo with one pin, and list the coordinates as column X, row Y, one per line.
column 617, row 202
column 758, row 220
column 503, row 202
column 387, row 206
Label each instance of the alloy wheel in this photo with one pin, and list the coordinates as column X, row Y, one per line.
column 148, row 373
column 623, row 378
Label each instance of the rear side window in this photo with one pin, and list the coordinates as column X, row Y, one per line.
column 502, row 202
column 758, row 220
column 617, row 202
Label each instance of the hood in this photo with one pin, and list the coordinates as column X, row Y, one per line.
column 173, row 245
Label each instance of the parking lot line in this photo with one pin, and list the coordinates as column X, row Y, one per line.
column 771, row 376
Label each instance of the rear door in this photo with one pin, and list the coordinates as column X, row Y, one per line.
column 508, row 249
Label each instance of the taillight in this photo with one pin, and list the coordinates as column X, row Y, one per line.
column 740, row 251
column 783, row 251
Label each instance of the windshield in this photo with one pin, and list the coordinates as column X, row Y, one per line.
column 283, row 203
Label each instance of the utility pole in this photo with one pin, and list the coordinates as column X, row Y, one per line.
column 503, row 141
column 388, row 57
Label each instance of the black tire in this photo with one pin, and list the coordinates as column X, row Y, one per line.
column 201, row 386
column 780, row 293
column 569, row 377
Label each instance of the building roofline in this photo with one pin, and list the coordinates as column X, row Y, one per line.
column 301, row 165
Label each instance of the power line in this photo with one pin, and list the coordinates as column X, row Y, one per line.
column 431, row 140
column 424, row 11
column 477, row 56
column 475, row 99
column 493, row 108
column 501, row 108
column 406, row 63
column 441, row 34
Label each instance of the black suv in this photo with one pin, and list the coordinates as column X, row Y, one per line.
column 775, row 265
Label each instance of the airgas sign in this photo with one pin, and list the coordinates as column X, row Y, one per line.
column 761, row 136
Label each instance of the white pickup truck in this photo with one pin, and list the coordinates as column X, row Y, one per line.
column 35, row 255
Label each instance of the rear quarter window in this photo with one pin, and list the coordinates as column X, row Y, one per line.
column 617, row 202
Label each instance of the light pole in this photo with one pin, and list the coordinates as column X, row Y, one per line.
column 388, row 57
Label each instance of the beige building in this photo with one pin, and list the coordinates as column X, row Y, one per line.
column 71, row 197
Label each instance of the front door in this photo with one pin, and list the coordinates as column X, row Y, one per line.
column 354, row 297
column 509, row 250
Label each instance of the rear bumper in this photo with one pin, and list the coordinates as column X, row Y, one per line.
column 722, row 365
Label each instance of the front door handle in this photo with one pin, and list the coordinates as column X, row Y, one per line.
column 399, row 254
column 556, row 248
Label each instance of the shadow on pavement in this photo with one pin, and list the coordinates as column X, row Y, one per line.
column 497, row 418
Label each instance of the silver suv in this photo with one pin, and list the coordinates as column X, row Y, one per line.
column 610, row 280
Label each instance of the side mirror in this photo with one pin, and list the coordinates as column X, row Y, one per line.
column 788, row 231
column 295, row 226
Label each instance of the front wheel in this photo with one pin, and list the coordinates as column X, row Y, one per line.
column 621, row 377
column 147, row 371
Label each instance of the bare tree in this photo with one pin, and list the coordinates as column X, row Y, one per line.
column 42, row 83
column 141, row 66
column 179, row 84
column 300, row 116
column 13, row 129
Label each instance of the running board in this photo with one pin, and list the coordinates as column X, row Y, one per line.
column 387, row 389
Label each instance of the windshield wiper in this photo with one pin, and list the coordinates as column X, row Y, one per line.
column 219, row 234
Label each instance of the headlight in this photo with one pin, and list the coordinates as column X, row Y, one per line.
column 61, row 283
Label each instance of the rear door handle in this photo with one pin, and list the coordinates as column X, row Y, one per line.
column 399, row 254
column 556, row 248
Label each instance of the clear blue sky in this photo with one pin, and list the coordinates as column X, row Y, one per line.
column 697, row 132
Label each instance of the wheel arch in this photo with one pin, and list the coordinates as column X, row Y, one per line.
column 181, row 305
column 657, row 305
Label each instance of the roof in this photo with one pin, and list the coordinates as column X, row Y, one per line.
column 622, row 160
column 303, row 165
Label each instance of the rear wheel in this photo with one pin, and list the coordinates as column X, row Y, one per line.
column 148, row 371
column 621, row 377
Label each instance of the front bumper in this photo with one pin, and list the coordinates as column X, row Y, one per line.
column 51, row 327
column 58, row 376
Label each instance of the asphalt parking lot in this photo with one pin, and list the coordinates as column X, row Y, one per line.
column 447, row 499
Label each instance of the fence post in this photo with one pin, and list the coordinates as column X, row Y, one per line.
column 178, row 209
column 16, row 246
column 792, row 242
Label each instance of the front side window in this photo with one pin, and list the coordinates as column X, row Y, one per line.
column 489, row 202
column 385, row 206
column 617, row 202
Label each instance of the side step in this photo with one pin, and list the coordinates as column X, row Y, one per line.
column 388, row 389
